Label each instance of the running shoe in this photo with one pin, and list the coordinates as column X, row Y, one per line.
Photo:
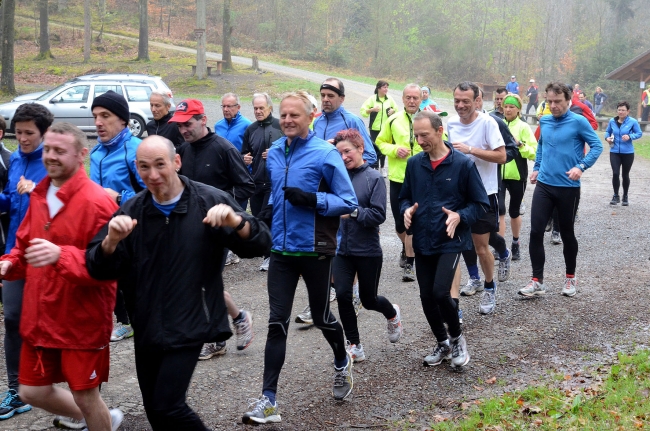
column 533, row 288
column 615, row 200
column 625, row 202
column 356, row 300
column 355, row 351
column 394, row 326
column 265, row 264
column 210, row 350
column 332, row 294
column 11, row 405
column 402, row 259
column 120, row 332
column 556, row 238
column 305, row 316
column 459, row 353
column 116, row 419
column 488, row 301
column 473, row 285
column 441, row 352
column 522, row 208
column 232, row 258
column 570, row 285
column 409, row 273
column 516, row 253
column 549, row 225
column 244, row 330
column 504, row 267
column 343, row 381
column 264, row 412
column 67, row 423
column 460, row 315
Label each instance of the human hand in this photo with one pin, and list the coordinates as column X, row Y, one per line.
column 265, row 153
column 453, row 219
column 626, row 137
column 222, row 215
column 533, row 177
column 248, row 159
column 408, row 215
column 120, row 227
column 112, row 193
column 298, row 197
column 42, row 253
column 5, row 266
column 402, row 152
column 463, row 148
column 25, row 186
column 574, row 174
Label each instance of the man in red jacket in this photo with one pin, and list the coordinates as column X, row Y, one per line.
column 67, row 315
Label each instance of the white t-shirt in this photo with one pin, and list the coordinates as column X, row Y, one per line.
column 54, row 204
column 482, row 133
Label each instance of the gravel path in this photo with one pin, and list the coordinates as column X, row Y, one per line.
column 518, row 345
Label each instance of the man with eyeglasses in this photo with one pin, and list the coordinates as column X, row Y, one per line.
column 210, row 159
column 397, row 141
column 233, row 124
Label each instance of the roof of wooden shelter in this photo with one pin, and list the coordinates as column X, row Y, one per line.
column 633, row 69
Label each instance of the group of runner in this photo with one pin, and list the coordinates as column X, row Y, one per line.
column 174, row 204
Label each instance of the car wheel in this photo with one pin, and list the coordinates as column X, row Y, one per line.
column 137, row 126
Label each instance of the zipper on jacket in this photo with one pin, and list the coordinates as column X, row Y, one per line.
column 205, row 305
column 101, row 177
column 284, row 201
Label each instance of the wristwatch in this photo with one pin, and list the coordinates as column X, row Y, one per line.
column 241, row 225
column 355, row 213
column 118, row 199
column 582, row 167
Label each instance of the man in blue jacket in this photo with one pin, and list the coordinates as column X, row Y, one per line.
column 442, row 196
column 310, row 190
column 558, row 167
column 112, row 166
column 233, row 124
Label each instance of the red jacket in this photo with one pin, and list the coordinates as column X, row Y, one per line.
column 63, row 307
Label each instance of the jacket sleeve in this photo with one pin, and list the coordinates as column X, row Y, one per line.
column 529, row 148
column 368, row 104
column 476, row 198
column 595, row 146
column 384, row 140
column 406, row 193
column 341, row 198
column 368, row 149
column 375, row 214
column 239, row 175
column 5, row 197
column 128, row 194
column 17, row 254
column 538, row 156
column 245, row 144
column 635, row 130
column 111, row 267
column 610, row 130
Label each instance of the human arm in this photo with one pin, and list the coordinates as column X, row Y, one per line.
column 134, row 176
column 369, row 154
column 595, row 147
column 527, row 143
column 341, row 198
column 635, row 130
column 609, row 132
column 498, row 155
column 475, row 196
column 368, row 107
column 384, row 140
column 375, row 214
column 239, row 175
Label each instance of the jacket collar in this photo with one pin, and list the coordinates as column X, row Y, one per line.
column 67, row 190
column 165, row 119
column 36, row 154
column 204, row 140
column 181, row 206
column 338, row 111
column 361, row 168
column 426, row 161
column 268, row 120
column 235, row 119
column 298, row 141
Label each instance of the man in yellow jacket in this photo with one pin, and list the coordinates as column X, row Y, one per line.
column 397, row 141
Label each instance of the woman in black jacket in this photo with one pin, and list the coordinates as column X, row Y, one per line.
column 359, row 251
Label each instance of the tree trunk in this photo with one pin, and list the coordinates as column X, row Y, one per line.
column 201, row 68
column 44, row 36
column 61, row 5
column 143, row 41
column 227, row 33
column 7, row 80
column 87, row 31
column 102, row 16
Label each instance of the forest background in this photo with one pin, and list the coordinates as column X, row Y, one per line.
column 429, row 42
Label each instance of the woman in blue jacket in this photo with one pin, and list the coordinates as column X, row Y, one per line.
column 26, row 169
column 359, row 251
column 621, row 131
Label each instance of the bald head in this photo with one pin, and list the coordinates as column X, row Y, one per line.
column 157, row 143
column 158, row 166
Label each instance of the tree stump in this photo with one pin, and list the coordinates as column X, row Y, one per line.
column 256, row 64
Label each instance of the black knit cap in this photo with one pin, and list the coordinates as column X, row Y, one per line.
column 115, row 103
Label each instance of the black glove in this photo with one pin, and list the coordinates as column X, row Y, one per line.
column 297, row 197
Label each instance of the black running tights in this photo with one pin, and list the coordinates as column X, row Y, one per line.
column 368, row 269
column 545, row 199
column 435, row 275
column 617, row 161
column 284, row 272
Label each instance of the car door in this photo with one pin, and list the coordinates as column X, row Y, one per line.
column 72, row 105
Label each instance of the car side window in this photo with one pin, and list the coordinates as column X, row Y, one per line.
column 137, row 93
column 101, row 89
column 76, row 94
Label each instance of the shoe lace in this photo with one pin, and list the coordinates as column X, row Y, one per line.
column 568, row 283
column 487, row 298
column 440, row 349
column 242, row 328
column 456, row 349
column 340, row 377
column 9, row 397
column 259, row 403
column 392, row 325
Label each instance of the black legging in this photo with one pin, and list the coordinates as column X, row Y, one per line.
column 368, row 269
column 381, row 158
column 395, row 189
column 284, row 272
column 435, row 275
column 120, row 309
column 516, row 190
column 164, row 376
column 617, row 161
column 545, row 199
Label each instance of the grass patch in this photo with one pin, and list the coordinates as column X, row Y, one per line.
column 620, row 402
column 642, row 147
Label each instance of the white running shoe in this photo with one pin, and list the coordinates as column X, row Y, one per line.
column 394, row 326
column 570, row 285
column 265, row 264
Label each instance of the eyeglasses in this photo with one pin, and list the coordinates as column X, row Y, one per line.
column 229, row 106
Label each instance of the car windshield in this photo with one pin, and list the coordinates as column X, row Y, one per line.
column 51, row 92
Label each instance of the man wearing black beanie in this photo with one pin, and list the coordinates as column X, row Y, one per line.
column 112, row 166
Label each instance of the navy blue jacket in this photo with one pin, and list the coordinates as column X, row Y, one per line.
column 455, row 185
column 360, row 236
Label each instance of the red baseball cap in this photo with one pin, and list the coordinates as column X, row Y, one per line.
column 186, row 110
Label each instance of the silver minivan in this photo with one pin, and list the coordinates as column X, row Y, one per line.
column 71, row 102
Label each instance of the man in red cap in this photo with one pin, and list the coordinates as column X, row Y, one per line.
column 212, row 160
